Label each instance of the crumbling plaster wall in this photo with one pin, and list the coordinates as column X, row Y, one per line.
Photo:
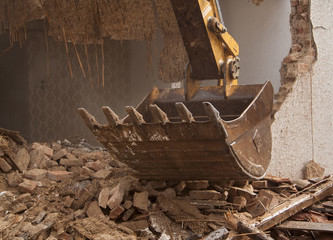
column 303, row 126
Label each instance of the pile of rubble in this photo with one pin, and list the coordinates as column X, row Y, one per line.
column 74, row 191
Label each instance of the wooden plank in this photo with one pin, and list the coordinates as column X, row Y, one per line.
column 310, row 226
column 294, row 205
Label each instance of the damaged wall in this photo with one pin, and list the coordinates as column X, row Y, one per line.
column 302, row 129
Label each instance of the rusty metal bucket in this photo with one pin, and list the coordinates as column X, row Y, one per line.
column 208, row 137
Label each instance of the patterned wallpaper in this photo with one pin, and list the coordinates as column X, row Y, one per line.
column 53, row 100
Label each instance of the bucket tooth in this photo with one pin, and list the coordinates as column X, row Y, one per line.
column 88, row 119
column 184, row 113
column 214, row 116
column 111, row 116
column 134, row 115
column 158, row 115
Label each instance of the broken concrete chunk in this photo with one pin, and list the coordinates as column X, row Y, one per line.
column 22, row 159
column 116, row 197
column 4, row 165
column 103, row 197
column 14, row 179
column 40, row 217
column 27, row 186
column 31, row 231
column 116, row 212
column 313, row 170
column 35, row 174
column 59, row 175
column 140, row 201
column 205, row 194
column 59, row 154
column 94, row 210
column 197, row 185
column 221, row 233
column 301, row 183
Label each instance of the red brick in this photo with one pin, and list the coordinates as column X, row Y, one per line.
column 59, row 175
column 205, row 194
column 59, row 154
column 27, row 186
column 259, row 184
column 22, row 159
column 101, row 174
column 103, row 197
column 94, row 210
column 4, row 165
column 116, row 212
column 83, row 196
column 140, row 201
column 116, row 197
column 35, row 174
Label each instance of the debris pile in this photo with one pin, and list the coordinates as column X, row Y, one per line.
column 75, row 191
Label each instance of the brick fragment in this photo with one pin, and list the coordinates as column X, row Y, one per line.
column 59, row 154
column 18, row 207
column 55, row 146
column 128, row 204
column 4, row 165
column 23, row 198
column 116, row 212
column 257, row 207
column 313, row 170
column 272, row 201
column 46, row 150
column 94, row 210
column 68, row 201
column 94, row 165
column 197, row 185
column 46, row 163
column 205, row 194
column 128, row 213
column 235, row 191
column 59, row 175
column 140, row 201
column 35, row 174
column 83, row 197
column 36, row 157
column 27, row 186
column 71, row 156
column 14, row 179
column 22, row 159
column 71, row 162
column 180, row 186
column 260, row 184
column 103, row 197
column 240, row 202
column 116, row 197
column 101, row 174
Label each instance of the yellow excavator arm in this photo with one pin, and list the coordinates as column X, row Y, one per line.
column 192, row 133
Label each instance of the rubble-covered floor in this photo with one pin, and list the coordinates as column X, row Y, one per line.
column 64, row 190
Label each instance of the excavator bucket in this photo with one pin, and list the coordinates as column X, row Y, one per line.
column 208, row 137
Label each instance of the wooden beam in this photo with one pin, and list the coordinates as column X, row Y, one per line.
column 310, row 226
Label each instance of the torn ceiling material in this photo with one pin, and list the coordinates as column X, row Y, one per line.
column 89, row 21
